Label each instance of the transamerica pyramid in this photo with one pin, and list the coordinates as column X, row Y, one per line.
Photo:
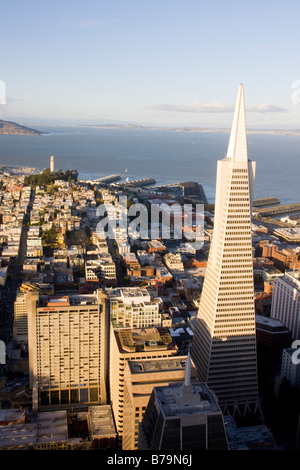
column 224, row 344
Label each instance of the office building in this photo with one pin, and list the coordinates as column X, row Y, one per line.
column 67, row 344
column 21, row 307
column 133, row 344
column 182, row 417
column 286, row 301
column 272, row 336
column 140, row 377
column 224, row 345
column 290, row 365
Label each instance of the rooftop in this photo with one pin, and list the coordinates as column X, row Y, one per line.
column 181, row 400
column 102, row 423
column 130, row 295
column 18, row 435
column 144, row 339
column 157, row 365
column 248, row 438
column 292, row 277
column 269, row 323
column 52, row 426
column 11, row 415
column 67, row 301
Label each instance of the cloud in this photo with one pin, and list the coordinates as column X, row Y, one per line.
column 267, row 108
column 196, row 107
column 216, row 107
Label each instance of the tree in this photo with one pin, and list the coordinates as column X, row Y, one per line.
column 50, row 236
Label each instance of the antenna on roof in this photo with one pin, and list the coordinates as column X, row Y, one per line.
column 188, row 369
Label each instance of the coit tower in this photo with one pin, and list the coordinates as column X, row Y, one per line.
column 52, row 164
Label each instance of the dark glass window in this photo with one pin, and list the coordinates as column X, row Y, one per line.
column 64, row 397
column 74, row 396
column 216, row 433
column 194, row 437
column 55, row 397
column 44, row 398
column 171, row 436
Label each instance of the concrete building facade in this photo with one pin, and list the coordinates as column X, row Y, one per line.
column 67, row 344
column 140, row 377
column 133, row 344
column 182, row 417
column 286, row 302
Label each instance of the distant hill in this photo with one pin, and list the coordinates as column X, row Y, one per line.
column 12, row 128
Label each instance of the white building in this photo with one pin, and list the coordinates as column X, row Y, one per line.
column 92, row 270
column 101, row 268
column 174, row 262
column 286, row 301
column 290, row 365
column 107, row 268
column 123, row 247
column 145, row 258
column 224, row 345
column 133, row 307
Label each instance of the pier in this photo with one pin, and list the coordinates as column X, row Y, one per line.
column 141, row 182
column 266, row 201
column 284, row 209
column 104, row 179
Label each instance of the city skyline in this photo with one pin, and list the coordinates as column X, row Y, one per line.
column 149, row 278
column 164, row 64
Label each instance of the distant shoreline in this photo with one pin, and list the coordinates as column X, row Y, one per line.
column 12, row 128
column 188, row 129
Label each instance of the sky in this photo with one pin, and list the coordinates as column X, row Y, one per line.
column 155, row 62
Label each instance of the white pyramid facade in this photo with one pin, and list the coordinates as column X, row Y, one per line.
column 224, row 345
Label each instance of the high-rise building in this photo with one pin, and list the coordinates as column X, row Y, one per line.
column 52, row 164
column 182, row 417
column 140, row 378
column 286, row 301
column 290, row 366
column 21, row 306
column 133, row 344
column 67, row 345
column 224, row 345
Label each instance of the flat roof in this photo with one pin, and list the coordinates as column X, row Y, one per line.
column 18, row 435
column 101, row 420
column 12, row 415
column 52, row 426
column 180, row 400
column 157, row 365
column 143, row 339
column 252, row 437
column 270, row 322
column 67, row 301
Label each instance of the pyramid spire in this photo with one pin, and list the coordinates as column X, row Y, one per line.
column 237, row 147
